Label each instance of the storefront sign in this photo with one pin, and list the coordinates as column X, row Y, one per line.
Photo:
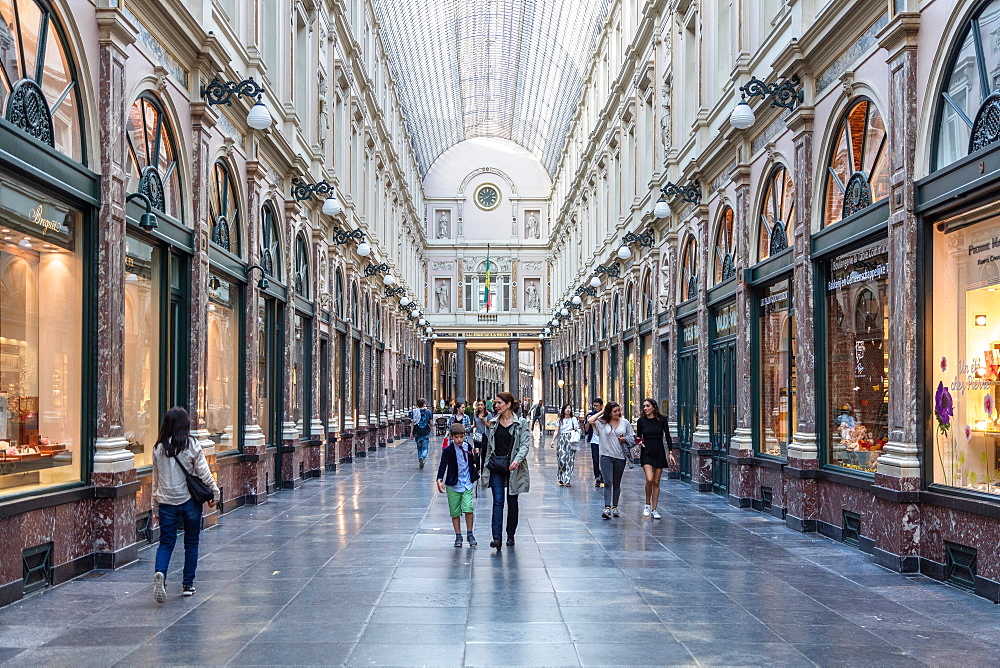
column 774, row 299
column 725, row 321
column 690, row 333
column 47, row 225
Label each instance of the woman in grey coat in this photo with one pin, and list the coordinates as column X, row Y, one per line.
column 508, row 436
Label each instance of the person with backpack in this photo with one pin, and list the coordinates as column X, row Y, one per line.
column 420, row 430
column 175, row 455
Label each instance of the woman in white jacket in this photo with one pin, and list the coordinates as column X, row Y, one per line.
column 172, row 502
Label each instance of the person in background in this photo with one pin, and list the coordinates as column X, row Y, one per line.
column 565, row 440
column 508, row 437
column 590, row 436
column 524, row 407
column 480, row 425
column 458, row 415
column 612, row 431
column 420, row 430
column 654, row 431
column 459, row 472
column 174, row 453
column 538, row 415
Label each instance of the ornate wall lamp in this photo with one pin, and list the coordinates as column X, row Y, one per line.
column 572, row 304
column 262, row 283
column 610, row 270
column 340, row 237
column 222, row 92
column 395, row 292
column 644, row 240
column 689, row 193
column 375, row 269
column 147, row 221
column 302, row 191
column 786, row 94
column 590, row 290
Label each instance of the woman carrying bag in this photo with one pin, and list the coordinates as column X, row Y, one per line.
column 613, row 432
column 654, row 432
column 507, row 444
column 180, row 476
column 566, row 440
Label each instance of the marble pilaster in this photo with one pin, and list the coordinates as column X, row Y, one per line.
column 741, row 444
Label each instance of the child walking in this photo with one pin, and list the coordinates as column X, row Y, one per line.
column 459, row 472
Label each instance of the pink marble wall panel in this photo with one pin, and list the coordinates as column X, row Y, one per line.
column 75, row 531
column 983, row 533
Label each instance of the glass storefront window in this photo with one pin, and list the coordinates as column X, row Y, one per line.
column 222, row 376
column 40, row 341
column 300, row 375
column 142, row 349
column 689, row 270
column 857, row 356
column 776, row 354
column 857, row 176
column 965, row 374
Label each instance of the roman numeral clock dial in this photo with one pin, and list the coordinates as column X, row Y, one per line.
column 487, row 197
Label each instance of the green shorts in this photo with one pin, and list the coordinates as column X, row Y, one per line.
column 459, row 502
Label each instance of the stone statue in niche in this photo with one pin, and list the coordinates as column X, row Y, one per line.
column 443, row 300
column 531, row 300
column 532, row 229
column 665, row 120
column 442, row 226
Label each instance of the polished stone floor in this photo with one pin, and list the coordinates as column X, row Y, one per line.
column 359, row 568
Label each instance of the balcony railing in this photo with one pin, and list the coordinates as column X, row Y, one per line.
column 487, row 317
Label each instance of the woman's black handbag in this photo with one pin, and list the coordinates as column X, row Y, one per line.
column 499, row 463
column 199, row 491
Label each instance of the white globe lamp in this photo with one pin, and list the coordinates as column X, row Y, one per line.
column 595, row 282
column 576, row 300
column 389, row 279
column 624, row 252
column 742, row 116
column 364, row 250
column 331, row 206
column 662, row 209
column 564, row 312
column 259, row 117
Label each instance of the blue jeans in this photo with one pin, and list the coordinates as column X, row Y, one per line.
column 422, row 445
column 170, row 516
column 498, row 485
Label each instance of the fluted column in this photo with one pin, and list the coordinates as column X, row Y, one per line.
column 461, row 369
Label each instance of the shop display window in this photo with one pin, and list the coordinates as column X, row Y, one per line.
column 41, row 335
column 222, row 375
column 300, row 377
column 965, row 371
column 857, row 356
column 776, row 355
column 141, row 386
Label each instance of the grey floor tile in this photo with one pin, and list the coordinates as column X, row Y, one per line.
column 366, row 654
column 729, row 653
column 521, row 654
column 297, row 654
column 634, row 654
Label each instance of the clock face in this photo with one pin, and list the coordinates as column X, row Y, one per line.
column 488, row 197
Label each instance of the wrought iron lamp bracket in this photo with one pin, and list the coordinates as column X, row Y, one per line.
column 395, row 292
column 645, row 239
column 612, row 270
column 219, row 91
column 303, row 191
column 374, row 269
column 588, row 290
column 689, row 193
column 786, row 94
column 262, row 283
column 340, row 237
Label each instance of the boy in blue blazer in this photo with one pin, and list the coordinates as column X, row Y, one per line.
column 458, row 471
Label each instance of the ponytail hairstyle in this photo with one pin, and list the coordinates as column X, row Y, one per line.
column 175, row 430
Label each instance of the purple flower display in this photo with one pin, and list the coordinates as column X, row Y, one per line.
column 944, row 364
column 988, row 404
column 943, row 407
column 968, row 433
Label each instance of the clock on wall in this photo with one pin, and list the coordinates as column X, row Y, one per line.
column 487, row 197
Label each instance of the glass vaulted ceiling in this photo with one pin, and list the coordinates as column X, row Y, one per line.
column 490, row 68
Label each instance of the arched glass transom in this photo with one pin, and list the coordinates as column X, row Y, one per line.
column 647, row 296
column 969, row 104
column 857, row 175
column 776, row 214
column 153, row 155
column 616, row 308
column 224, row 210
column 339, row 294
column 38, row 89
column 724, row 254
column 630, row 306
column 270, row 242
column 301, row 266
column 689, row 270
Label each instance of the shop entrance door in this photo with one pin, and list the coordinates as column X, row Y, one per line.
column 687, row 392
column 722, row 393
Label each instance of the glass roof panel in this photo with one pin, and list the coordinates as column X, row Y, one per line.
column 490, row 68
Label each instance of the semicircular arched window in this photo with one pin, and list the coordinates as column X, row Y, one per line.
column 616, row 308
column 630, row 306
column 647, row 296
column 689, row 269
column 301, row 266
column 224, row 210
column 969, row 104
column 776, row 214
column 857, row 175
column 153, row 155
column 604, row 321
column 270, row 242
column 724, row 255
column 354, row 306
column 339, row 294
column 38, row 84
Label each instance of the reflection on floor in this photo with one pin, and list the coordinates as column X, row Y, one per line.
column 359, row 567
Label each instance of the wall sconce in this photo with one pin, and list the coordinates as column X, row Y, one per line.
column 644, row 240
column 395, row 292
column 785, row 94
column 340, row 237
column 560, row 383
column 572, row 304
column 589, row 290
column 213, row 282
column 263, row 283
column 980, row 320
column 222, row 92
column 147, row 221
column 611, row 270
column 375, row 269
column 302, row 191
column 690, row 193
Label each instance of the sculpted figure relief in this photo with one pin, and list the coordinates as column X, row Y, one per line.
column 532, row 228
column 442, row 231
column 531, row 297
column 443, row 298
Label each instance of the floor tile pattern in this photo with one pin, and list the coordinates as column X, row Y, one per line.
column 358, row 568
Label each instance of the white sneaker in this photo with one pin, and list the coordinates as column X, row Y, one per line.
column 645, row 510
column 159, row 591
column 656, row 514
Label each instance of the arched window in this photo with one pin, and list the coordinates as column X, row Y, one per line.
column 224, row 210
column 647, row 296
column 378, row 323
column 857, row 175
column 270, row 242
column 354, row 306
column 366, row 316
column 969, row 102
column 724, row 256
column 301, row 266
column 153, row 155
column 689, row 269
column 38, row 87
column 616, row 307
column 776, row 214
column 604, row 321
column 630, row 306
column 340, row 293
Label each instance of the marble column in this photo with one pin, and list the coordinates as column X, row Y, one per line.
column 801, row 491
column 254, row 470
column 701, row 440
column 461, row 369
column 546, row 367
column 114, row 465
column 898, row 469
column 668, row 301
column 513, row 367
column 291, row 449
column 428, row 389
column 741, row 444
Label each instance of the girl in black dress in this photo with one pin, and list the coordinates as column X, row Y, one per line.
column 652, row 428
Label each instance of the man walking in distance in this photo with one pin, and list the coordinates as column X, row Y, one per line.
column 538, row 415
column 590, row 436
column 420, row 430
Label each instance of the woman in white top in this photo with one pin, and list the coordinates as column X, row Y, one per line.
column 612, row 432
column 172, row 502
column 565, row 441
